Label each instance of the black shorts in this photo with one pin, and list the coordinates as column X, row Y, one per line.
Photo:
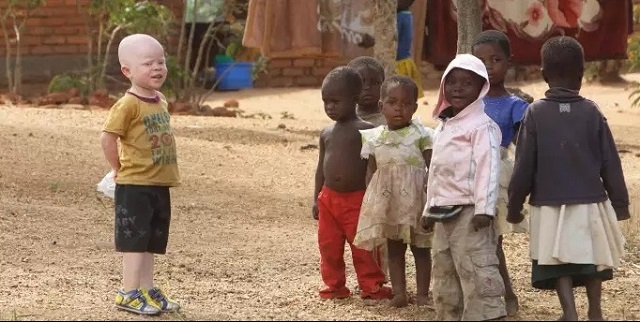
column 143, row 214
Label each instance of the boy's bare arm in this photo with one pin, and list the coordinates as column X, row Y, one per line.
column 319, row 180
column 109, row 142
column 371, row 169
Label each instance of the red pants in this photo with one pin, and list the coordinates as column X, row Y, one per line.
column 337, row 223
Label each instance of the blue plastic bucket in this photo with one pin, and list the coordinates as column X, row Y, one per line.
column 234, row 75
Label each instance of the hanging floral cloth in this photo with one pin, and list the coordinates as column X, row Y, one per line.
column 601, row 26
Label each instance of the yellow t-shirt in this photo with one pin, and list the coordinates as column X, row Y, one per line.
column 147, row 145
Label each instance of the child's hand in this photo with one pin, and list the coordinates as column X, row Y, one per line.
column 427, row 223
column 314, row 211
column 515, row 219
column 480, row 221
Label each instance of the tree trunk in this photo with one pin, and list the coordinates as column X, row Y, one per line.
column 17, row 72
column 386, row 35
column 469, row 24
column 7, row 57
column 183, row 28
column 87, row 21
column 188, row 91
column 105, row 62
column 196, row 68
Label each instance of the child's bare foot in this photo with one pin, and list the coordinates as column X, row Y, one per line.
column 512, row 305
column 424, row 300
column 399, row 300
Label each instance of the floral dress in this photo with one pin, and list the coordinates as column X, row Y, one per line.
column 395, row 197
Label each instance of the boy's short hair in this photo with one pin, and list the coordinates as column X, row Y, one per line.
column 494, row 37
column 368, row 63
column 398, row 80
column 562, row 58
column 347, row 75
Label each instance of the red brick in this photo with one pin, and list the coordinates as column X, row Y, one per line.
column 275, row 72
column 292, row 71
column 77, row 40
column 33, row 22
column 68, row 31
column 33, row 40
column 332, row 62
column 319, row 62
column 56, row 3
column 281, row 81
column 39, row 31
column 304, row 62
column 307, row 81
column 261, row 82
column 64, row 11
column 73, row 2
column 55, row 22
column 321, row 71
column 280, row 63
column 65, row 49
column 53, row 40
column 40, row 50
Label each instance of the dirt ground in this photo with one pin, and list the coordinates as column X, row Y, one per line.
column 243, row 243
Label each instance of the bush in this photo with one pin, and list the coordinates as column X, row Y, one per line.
column 65, row 82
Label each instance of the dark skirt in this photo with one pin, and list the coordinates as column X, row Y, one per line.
column 544, row 276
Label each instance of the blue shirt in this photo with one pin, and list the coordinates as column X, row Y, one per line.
column 405, row 34
column 506, row 111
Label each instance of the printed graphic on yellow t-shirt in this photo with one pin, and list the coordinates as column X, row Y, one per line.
column 147, row 146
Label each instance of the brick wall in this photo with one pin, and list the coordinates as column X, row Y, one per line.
column 309, row 72
column 291, row 72
column 59, row 27
column 55, row 28
column 55, row 40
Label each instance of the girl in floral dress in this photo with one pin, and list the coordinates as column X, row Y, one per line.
column 398, row 154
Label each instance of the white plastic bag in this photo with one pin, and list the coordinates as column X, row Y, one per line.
column 108, row 185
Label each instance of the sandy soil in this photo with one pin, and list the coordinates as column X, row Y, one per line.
column 243, row 243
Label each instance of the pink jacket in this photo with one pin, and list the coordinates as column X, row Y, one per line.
column 464, row 168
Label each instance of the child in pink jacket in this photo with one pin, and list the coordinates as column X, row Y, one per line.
column 462, row 193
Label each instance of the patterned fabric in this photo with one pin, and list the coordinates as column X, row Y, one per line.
column 601, row 26
column 395, row 196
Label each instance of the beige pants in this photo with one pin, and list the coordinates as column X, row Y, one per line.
column 466, row 281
